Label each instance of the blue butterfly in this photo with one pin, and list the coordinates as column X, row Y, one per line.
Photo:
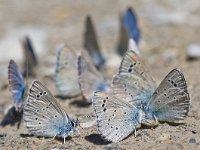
column 131, row 25
column 17, row 89
column 129, row 30
column 16, row 84
column 91, row 44
column 43, row 115
column 135, row 100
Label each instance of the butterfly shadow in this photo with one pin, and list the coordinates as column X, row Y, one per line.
column 80, row 103
column 96, row 139
column 174, row 123
column 12, row 117
column 48, row 138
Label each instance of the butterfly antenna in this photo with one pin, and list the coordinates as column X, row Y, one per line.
column 27, row 79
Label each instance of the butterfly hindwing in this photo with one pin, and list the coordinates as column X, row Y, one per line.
column 116, row 119
column 16, row 84
column 170, row 102
column 43, row 116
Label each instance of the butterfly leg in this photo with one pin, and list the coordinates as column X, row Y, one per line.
column 135, row 133
column 53, row 138
column 155, row 119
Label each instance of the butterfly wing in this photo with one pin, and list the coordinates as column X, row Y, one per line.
column 129, row 30
column 16, row 84
column 91, row 44
column 90, row 79
column 171, row 100
column 133, row 82
column 66, row 75
column 131, row 25
column 116, row 119
column 43, row 116
column 30, row 56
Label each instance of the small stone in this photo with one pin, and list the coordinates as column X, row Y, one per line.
column 192, row 140
column 164, row 137
column 193, row 51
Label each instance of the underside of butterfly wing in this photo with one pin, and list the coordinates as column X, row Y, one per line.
column 90, row 79
column 171, row 101
column 66, row 74
column 116, row 119
column 133, row 81
column 43, row 115
column 16, row 84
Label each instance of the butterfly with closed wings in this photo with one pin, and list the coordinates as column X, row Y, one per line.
column 129, row 30
column 135, row 100
column 43, row 115
column 90, row 79
column 66, row 74
column 17, row 89
column 91, row 44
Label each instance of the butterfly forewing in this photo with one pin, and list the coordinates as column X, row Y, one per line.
column 16, row 84
column 42, row 114
column 116, row 119
column 90, row 79
column 171, row 100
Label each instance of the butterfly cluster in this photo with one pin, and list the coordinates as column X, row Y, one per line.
column 131, row 100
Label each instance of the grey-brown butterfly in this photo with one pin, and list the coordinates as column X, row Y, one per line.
column 90, row 79
column 30, row 57
column 91, row 44
column 43, row 115
column 66, row 74
column 134, row 100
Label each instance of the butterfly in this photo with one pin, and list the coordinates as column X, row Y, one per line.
column 91, row 44
column 66, row 74
column 135, row 100
column 90, row 79
column 16, row 84
column 31, row 60
column 129, row 30
column 43, row 115
column 17, row 89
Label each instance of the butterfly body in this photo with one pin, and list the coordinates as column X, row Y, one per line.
column 43, row 115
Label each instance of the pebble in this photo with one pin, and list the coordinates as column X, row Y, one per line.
column 193, row 51
column 192, row 140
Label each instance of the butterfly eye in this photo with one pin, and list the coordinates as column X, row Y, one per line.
column 41, row 93
column 45, row 92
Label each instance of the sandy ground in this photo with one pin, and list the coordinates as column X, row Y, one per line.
column 168, row 28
